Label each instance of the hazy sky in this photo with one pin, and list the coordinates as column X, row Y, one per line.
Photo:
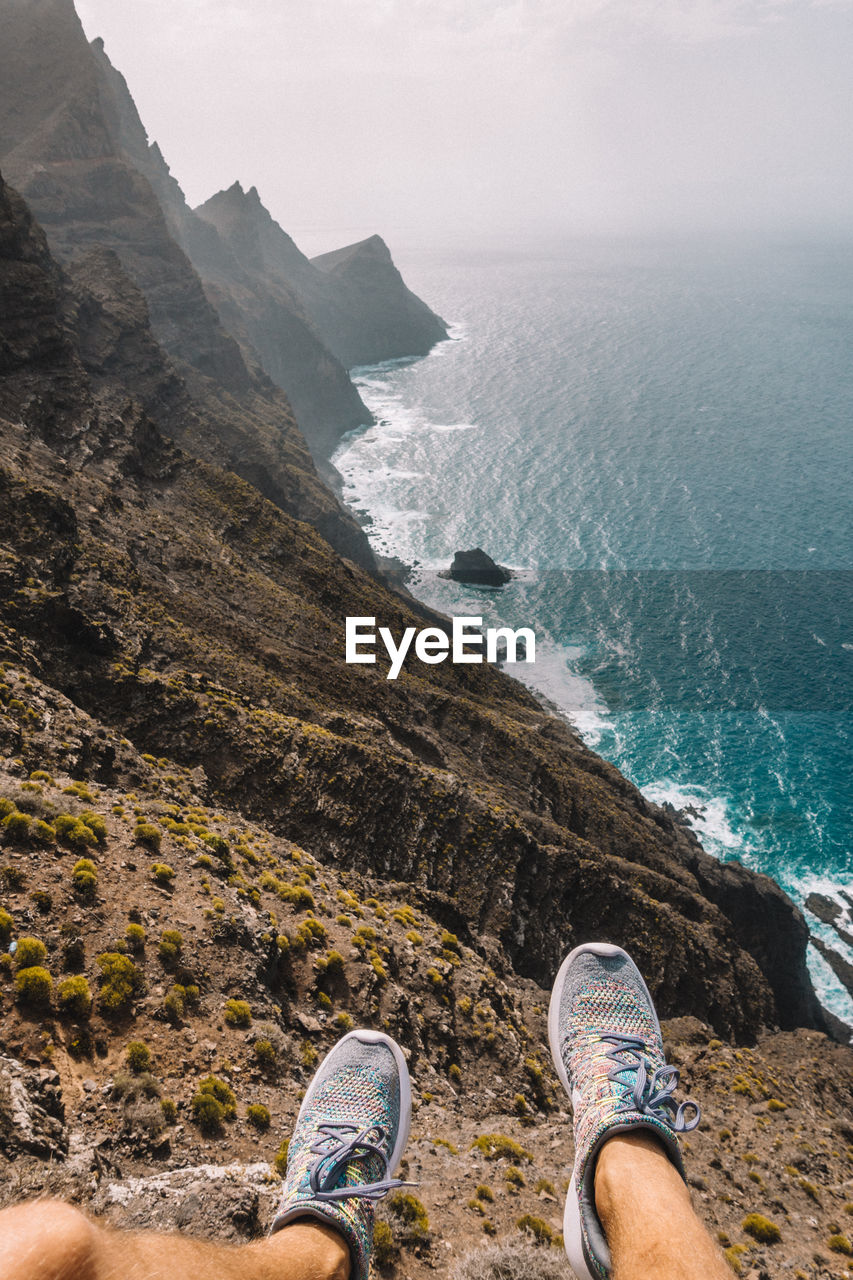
column 476, row 120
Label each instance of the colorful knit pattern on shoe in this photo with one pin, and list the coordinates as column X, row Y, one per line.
column 607, row 1047
column 350, row 1133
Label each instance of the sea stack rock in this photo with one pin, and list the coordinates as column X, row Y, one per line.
column 478, row 569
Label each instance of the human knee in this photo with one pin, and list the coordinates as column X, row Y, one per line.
column 48, row 1240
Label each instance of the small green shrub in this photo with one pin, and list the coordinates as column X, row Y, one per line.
column 169, row 947
column 514, row 1177
column 162, row 874
column 537, row 1227
column 80, row 790
column 148, row 835
column 96, row 825
column 449, row 941
column 134, row 936
column 258, row 1116
column 29, row 951
column 16, row 827
column 344, row 1021
column 497, row 1146
column 120, row 982
column 138, row 1057
column 300, row 898
column 485, row 1192
column 170, row 1111
column 280, row 1161
column 34, row 986
column 412, row 1214
column 237, row 1013
column 84, row 877
column 74, row 997
column 840, row 1244
column 212, row 1103
column 265, row 1054
column 74, row 833
column 42, row 832
column 312, row 933
column 175, row 1004
column 332, row 963
column 7, row 926
column 384, row 1249
column 218, row 845
column 208, row 1113
column 13, row 877
column 761, row 1228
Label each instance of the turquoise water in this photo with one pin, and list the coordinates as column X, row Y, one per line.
column 659, row 439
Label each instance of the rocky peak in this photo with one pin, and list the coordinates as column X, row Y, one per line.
column 251, row 232
column 373, row 250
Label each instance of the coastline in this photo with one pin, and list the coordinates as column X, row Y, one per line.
column 705, row 816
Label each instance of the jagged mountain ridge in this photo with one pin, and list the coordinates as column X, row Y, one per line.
column 355, row 296
column 79, row 152
column 59, row 131
column 271, row 324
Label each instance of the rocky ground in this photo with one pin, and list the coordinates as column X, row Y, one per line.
column 204, row 908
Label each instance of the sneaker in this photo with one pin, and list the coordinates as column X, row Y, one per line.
column 350, row 1134
column 607, row 1048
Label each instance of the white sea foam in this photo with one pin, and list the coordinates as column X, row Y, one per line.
column 712, row 820
column 831, row 995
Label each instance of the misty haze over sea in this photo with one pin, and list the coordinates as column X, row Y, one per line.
column 658, row 435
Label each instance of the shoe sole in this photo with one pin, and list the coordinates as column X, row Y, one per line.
column 376, row 1037
column 572, row 1231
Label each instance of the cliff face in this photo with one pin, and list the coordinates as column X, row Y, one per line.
column 355, row 298
column 267, row 318
column 72, row 151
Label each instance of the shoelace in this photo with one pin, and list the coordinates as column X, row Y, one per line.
column 335, row 1147
column 651, row 1093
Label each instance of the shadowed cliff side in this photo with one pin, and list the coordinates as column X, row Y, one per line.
column 61, row 136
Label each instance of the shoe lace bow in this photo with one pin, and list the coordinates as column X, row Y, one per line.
column 652, row 1089
column 336, row 1145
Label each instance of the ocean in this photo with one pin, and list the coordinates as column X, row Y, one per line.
column 658, row 438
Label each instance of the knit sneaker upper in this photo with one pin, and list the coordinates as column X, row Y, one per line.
column 611, row 1049
column 350, row 1126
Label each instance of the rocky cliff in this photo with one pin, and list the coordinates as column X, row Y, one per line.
column 355, row 297
column 72, row 141
column 79, row 154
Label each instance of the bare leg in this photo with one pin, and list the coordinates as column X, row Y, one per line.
column 645, row 1209
column 48, row 1240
